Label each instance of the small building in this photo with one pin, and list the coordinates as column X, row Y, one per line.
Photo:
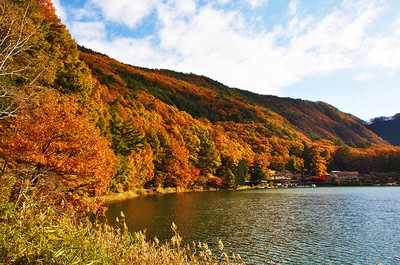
column 281, row 177
column 344, row 175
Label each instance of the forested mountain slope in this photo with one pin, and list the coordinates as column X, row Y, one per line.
column 205, row 98
column 387, row 128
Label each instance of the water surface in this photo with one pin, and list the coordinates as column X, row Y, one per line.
column 357, row 225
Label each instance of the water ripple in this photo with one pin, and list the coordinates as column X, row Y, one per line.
column 291, row 226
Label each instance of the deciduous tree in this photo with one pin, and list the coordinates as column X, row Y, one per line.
column 53, row 136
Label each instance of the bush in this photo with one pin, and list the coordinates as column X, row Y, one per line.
column 214, row 182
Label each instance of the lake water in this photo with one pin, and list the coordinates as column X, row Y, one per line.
column 340, row 225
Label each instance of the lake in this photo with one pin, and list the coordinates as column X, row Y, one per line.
column 335, row 225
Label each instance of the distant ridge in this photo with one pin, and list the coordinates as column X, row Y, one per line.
column 387, row 128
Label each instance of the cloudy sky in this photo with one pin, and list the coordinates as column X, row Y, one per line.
column 346, row 53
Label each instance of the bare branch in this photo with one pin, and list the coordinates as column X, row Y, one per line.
column 16, row 47
column 15, row 72
column 37, row 76
column 5, row 94
column 9, row 112
column 15, row 37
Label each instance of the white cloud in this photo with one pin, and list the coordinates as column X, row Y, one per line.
column 293, row 7
column 181, row 7
column 127, row 12
column 138, row 52
column 89, row 12
column 59, row 10
column 214, row 43
column 384, row 51
column 365, row 76
column 88, row 31
column 200, row 33
column 256, row 3
column 252, row 3
column 223, row 2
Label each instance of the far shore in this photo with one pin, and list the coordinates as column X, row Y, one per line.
column 126, row 195
column 139, row 192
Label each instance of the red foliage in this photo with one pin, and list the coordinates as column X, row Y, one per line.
column 214, row 182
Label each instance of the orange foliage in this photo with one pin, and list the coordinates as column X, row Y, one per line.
column 53, row 134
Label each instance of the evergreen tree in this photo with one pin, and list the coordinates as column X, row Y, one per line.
column 241, row 172
column 257, row 174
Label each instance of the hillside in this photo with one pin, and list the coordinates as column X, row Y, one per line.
column 387, row 128
column 202, row 97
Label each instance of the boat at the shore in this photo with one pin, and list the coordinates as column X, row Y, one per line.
column 302, row 186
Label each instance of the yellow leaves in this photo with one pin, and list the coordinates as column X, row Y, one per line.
column 228, row 147
column 139, row 168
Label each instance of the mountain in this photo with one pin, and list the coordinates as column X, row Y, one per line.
column 202, row 97
column 387, row 128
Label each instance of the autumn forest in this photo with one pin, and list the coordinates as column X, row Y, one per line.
column 76, row 123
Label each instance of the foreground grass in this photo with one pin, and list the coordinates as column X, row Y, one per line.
column 33, row 234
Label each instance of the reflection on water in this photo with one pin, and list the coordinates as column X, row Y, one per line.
column 285, row 226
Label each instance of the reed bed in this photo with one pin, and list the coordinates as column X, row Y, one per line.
column 36, row 233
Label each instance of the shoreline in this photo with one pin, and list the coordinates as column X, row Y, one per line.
column 140, row 192
column 126, row 195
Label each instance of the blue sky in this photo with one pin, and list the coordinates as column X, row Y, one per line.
column 343, row 52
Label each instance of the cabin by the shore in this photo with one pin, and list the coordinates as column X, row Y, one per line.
column 344, row 175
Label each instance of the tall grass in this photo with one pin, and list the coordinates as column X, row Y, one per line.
column 33, row 232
